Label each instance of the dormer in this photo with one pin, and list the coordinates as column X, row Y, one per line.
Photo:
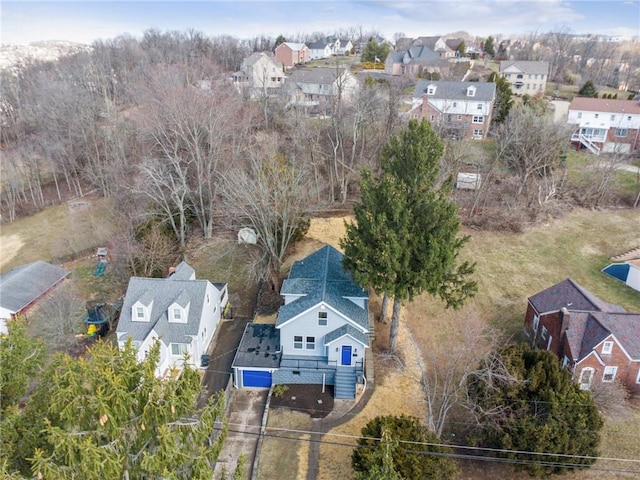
column 431, row 89
column 141, row 311
column 471, row 91
column 178, row 311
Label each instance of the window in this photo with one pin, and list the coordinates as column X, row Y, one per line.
column 432, row 118
column 297, row 342
column 477, row 132
column 543, row 334
column 638, row 378
column 621, row 132
column 607, row 347
column 613, row 118
column 455, row 104
column 322, row 319
column 478, row 119
column 519, row 75
column 609, row 374
column 565, row 362
column 629, row 118
column 579, row 114
column 140, row 312
column 479, row 107
column 311, row 343
column 459, row 117
column 597, row 115
column 536, row 321
column 586, row 375
column 528, row 87
column 207, row 299
column 179, row 349
column 177, row 314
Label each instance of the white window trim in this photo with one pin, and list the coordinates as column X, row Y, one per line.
column 478, row 132
column 610, row 368
column 638, row 377
column 321, row 318
column 478, row 119
column 307, row 343
column 544, row 333
column 300, row 342
column 582, row 372
column 181, row 346
column 607, row 348
column 536, row 323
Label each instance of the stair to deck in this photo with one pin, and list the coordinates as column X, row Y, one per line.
column 345, row 386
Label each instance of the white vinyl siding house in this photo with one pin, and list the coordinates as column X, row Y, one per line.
column 525, row 77
column 180, row 312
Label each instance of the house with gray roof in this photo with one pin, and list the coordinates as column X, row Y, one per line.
column 459, row 109
column 321, row 333
column 596, row 341
column 316, row 89
column 22, row 287
column 525, row 77
column 181, row 312
column 416, row 60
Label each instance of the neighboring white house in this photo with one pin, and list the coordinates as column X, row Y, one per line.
column 321, row 333
column 322, row 48
column 604, row 124
column 23, row 286
column 461, row 109
column 525, row 77
column 259, row 73
column 182, row 313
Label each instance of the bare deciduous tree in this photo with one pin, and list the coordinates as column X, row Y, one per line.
column 273, row 195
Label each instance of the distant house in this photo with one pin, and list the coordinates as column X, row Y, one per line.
column 596, row 341
column 22, row 287
column 436, row 44
column 605, row 125
column 316, row 89
column 462, row 109
column 259, row 73
column 322, row 49
column 525, row 77
column 321, row 333
column 291, row 54
column 179, row 311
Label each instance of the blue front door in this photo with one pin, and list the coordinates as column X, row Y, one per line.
column 346, row 355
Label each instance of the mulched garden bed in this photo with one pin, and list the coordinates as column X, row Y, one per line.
column 306, row 399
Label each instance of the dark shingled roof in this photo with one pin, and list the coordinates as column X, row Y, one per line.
column 321, row 278
column 485, row 91
column 164, row 292
column 22, row 285
column 259, row 347
column 572, row 296
column 587, row 329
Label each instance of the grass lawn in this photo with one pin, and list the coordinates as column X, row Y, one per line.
column 285, row 458
column 54, row 233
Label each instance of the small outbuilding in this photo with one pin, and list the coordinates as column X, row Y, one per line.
column 23, row 286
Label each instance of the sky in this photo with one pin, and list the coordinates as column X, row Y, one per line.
column 25, row 21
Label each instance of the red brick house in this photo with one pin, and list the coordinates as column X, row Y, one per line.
column 291, row 54
column 595, row 340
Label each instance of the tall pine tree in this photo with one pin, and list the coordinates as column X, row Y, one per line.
column 404, row 240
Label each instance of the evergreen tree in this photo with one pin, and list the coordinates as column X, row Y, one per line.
column 540, row 409
column 387, row 450
column 108, row 416
column 280, row 39
column 504, row 98
column 588, row 90
column 373, row 50
column 461, row 49
column 404, row 239
column 488, row 46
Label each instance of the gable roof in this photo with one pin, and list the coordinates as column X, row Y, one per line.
column 526, row 66
column 319, row 45
column 316, row 76
column 587, row 329
column 630, row 107
column 321, row 278
column 346, row 329
column 164, row 292
column 22, row 285
column 485, row 91
column 293, row 46
column 572, row 296
column 256, row 56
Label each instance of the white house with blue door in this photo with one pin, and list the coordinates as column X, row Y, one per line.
column 321, row 332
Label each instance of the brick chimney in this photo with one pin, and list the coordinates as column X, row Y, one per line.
column 565, row 320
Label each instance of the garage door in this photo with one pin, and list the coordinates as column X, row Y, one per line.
column 254, row 378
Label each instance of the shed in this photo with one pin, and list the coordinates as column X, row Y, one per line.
column 468, row 181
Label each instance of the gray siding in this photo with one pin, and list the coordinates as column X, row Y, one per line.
column 313, row 377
